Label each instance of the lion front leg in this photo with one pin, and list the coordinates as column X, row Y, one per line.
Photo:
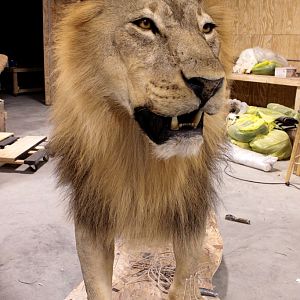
column 96, row 261
column 188, row 261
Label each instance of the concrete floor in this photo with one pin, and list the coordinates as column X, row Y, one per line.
column 37, row 251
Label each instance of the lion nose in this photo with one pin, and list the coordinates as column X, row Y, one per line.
column 204, row 88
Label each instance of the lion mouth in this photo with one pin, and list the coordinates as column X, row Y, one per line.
column 160, row 129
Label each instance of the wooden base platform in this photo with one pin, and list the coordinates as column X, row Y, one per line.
column 26, row 150
column 144, row 274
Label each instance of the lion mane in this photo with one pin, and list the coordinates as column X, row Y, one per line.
column 117, row 186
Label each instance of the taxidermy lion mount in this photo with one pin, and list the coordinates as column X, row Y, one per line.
column 137, row 133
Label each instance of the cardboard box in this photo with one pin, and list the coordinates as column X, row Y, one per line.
column 285, row 72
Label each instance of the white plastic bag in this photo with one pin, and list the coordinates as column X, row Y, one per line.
column 251, row 159
column 251, row 56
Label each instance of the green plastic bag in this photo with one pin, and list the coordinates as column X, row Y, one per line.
column 268, row 115
column 246, row 128
column 265, row 68
column 286, row 111
column 277, row 143
column 241, row 144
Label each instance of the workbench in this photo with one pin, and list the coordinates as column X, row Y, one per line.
column 16, row 88
column 293, row 82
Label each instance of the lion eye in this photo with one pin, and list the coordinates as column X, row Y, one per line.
column 208, row 28
column 146, row 24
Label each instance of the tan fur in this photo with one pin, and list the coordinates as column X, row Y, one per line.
column 117, row 185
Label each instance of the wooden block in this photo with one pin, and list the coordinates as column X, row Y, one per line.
column 10, row 153
column 35, row 157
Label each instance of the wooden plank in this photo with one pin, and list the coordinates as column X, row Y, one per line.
column 260, row 94
column 25, row 70
column 5, row 135
column 51, row 15
column 297, row 166
column 240, row 43
column 12, row 152
column 287, row 45
column 7, row 141
column 3, row 117
column 256, row 16
column 266, row 79
column 30, row 90
column 48, row 10
column 297, row 100
column 293, row 158
column 261, row 40
column 286, row 15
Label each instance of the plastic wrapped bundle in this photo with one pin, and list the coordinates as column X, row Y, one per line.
column 289, row 112
column 252, row 159
column 245, row 128
column 276, row 143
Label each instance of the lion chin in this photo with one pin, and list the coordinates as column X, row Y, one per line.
column 183, row 147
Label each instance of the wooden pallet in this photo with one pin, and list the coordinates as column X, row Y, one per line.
column 5, row 135
column 26, row 150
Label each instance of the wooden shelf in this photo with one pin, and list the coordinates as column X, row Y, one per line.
column 295, row 82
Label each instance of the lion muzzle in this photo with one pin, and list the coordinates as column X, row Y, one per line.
column 161, row 128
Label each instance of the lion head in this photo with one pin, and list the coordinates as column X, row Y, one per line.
column 159, row 60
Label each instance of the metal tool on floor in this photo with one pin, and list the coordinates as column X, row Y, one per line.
column 27, row 150
column 235, row 219
column 209, row 293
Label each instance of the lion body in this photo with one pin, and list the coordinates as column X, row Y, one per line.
column 117, row 185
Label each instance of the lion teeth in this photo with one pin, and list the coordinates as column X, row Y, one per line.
column 187, row 124
column 197, row 118
column 174, row 123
